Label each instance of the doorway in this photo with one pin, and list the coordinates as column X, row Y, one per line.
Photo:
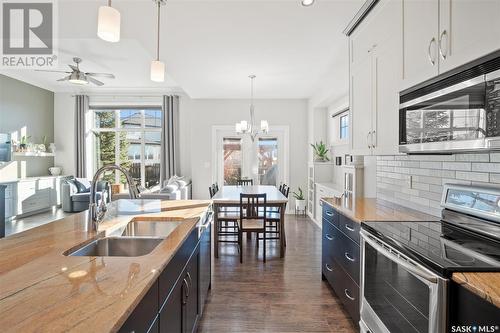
column 264, row 160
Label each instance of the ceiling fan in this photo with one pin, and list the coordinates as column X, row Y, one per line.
column 76, row 76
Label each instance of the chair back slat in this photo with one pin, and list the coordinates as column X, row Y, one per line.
column 244, row 182
column 253, row 206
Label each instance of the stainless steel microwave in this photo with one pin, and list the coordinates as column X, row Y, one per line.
column 458, row 113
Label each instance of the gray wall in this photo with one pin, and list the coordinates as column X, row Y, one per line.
column 24, row 105
column 428, row 175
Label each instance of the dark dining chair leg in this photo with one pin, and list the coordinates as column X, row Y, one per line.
column 240, row 244
column 263, row 244
column 282, row 233
column 216, row 233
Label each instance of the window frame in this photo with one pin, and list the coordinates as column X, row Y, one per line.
column 119, row 129
column 346, row 127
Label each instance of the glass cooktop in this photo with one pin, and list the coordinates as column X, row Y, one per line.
column 441, row 246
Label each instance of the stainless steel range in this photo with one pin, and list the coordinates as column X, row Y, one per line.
column 406, row 266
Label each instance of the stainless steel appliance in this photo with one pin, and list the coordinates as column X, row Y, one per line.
column 406, row 266
column 459, row 112
column 205, row 259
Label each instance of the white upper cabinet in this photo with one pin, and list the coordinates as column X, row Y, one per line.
column 469, row 29
column 420, row 41
column 387, row 74
column 361, row 107
column 375, row 80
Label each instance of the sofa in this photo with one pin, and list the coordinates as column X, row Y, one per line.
column 75, row 194
column 176, row 188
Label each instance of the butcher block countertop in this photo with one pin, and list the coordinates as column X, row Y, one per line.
column 42, row 290
column 484, row 284
column 371, row 209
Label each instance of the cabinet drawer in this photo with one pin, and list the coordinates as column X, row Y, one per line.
column 346, row 253
column 328, row 214
column 349, row 227
column 348, row 292
column 328, row 268
column 175, row 267
column 329, row 238
column 144, row 314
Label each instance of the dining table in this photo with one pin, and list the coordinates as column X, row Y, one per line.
column 229, row 196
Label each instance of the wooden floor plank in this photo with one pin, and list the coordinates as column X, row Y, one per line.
column 282, row 295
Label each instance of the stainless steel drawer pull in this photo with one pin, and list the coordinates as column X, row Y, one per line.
column 329, row 214
column 348, row 257
column 349, row 227
column 346, row 292
column 329, row 268
column 329, row 237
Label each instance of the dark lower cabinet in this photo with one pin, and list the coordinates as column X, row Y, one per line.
column 174, row 303
column 180, row 312
column 467, row 309
column 340, row 259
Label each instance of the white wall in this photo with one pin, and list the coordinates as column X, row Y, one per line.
column 199, row 115
column 64, row 132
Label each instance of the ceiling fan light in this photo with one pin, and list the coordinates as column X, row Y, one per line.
column 78, row 78
column 157, row 71
column 306, row 3
column 108, row 24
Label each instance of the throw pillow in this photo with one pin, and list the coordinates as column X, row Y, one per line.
column 83, row 185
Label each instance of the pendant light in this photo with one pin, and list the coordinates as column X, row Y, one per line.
column 158, row 67
column 245, row 127
column 307, row 3
column 108, row 23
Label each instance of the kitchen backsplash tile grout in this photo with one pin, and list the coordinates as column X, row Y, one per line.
column 416, row 181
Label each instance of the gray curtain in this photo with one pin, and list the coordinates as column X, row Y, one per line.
column 81, row 108
column 169, row 164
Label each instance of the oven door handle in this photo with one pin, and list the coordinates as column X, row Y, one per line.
column 420, row 272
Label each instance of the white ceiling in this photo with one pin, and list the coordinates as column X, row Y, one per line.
column 209, row 47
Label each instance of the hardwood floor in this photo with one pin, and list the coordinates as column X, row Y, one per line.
column 282, row 295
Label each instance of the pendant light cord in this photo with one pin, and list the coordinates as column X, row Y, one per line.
column 158, row 34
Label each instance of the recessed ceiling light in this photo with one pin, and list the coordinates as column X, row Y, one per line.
column 307, row 2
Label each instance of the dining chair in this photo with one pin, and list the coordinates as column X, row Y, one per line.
column 244, row 182
column 227, row 217
column 252, row 219
column 273, row 229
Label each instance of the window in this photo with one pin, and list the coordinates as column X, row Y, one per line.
column 267, row 154
column 232, row 160
column 131, row 138
column 344, row 126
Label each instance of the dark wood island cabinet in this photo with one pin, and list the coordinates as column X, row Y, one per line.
column 174, row 304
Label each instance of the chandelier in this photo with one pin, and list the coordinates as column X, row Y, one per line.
column 245, row 127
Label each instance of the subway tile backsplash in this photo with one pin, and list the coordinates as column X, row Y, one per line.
column 416, row 181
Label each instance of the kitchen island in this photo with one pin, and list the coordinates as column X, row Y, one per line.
column 43, row 289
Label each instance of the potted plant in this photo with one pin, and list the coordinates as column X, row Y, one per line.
column 320, row 152
column 300, row 201
column 23, row 144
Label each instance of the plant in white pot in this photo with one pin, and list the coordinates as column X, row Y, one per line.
column 300, row 201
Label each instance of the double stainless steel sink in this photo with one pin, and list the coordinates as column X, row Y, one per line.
column 138, row 238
